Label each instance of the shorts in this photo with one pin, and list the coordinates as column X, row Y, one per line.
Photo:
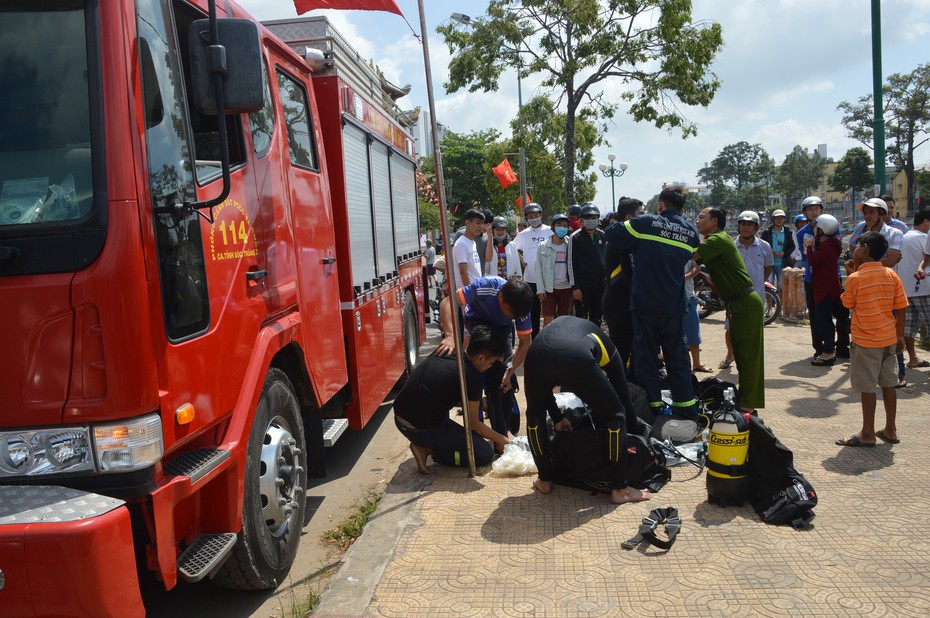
column 557, row 303
column 692, row 323
column 430, row 269
column 918, row 310
column 870, row 368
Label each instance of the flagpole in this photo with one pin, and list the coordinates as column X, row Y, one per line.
column 451, row 270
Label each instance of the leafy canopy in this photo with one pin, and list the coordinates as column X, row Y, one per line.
column 906, row 101
column 852, row 172
column 652, row 52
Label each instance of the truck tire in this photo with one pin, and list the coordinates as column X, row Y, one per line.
column 274, row 502
column 411, row 335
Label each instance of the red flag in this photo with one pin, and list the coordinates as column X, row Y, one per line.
column 521, row 202
column 504, row 173
column 390, row 6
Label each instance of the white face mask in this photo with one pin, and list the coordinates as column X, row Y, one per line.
column 590, row 224
column 535, row 221
column 500, row 237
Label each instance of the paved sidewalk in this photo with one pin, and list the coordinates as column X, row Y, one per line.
column 449, row 545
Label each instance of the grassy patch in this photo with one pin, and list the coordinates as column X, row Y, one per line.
column 350, row 528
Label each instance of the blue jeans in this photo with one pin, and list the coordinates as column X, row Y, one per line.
column 775, row 277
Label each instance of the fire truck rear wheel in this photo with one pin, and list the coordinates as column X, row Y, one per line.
column 274, row 502
column 411, row 334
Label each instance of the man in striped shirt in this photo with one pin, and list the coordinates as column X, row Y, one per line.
column 877, row 295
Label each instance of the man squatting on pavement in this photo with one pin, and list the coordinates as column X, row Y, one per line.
column 575, row 354
column 421, row 409
column 498, row 304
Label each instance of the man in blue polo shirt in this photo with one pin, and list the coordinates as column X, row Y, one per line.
column 661, row 245
column 499, row 304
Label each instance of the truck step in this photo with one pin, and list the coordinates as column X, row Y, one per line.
column 205, row 554
column 196, row 464
column 332, row 429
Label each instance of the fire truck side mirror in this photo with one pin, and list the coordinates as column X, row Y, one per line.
column 237, row 58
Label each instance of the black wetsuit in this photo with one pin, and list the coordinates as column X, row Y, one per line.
column 575, row 354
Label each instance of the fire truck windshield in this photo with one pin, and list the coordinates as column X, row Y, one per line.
column 45, row 144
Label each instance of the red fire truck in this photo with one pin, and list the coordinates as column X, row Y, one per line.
column 209, row 266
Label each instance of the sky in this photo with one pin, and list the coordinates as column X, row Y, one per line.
column 784, row 67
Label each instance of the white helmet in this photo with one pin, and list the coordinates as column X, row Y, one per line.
column 877, row 202
column 813, row 200
column 778, row 213
column 828, row 224
column 748, row 215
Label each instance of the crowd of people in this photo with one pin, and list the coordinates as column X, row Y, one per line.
column 542, row 296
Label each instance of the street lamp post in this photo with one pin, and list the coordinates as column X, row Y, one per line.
column 613, row 172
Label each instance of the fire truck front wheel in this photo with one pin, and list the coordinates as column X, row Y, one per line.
column 274, row 502
column 411, row 335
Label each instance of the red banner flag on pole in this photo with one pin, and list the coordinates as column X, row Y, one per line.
column 522, row 201
column 390, row 6
column 504, row 174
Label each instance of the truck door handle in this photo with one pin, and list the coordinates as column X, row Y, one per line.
column 329, row 260
column 255, row 275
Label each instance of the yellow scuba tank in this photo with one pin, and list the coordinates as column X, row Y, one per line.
column 728, row 481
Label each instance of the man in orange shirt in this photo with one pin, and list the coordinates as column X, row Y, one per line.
column 877, row 295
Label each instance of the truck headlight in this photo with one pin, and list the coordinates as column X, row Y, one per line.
column 128, row 445
column 45, row 451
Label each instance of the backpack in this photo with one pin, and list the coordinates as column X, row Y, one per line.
column 710, row 391
column 579, row 459
column 780, row 494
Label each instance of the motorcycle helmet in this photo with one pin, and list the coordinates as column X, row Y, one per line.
column 812, row 200
column 574, row 210
column 828, row 224
column 531, row 208
column 590, row 209
column 748, row 215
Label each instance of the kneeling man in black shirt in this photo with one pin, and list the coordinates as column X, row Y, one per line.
column 421, row 409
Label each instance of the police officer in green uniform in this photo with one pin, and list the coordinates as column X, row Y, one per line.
column 744, row 306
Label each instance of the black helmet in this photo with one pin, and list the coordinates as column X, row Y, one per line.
column 558, row 217
column 499, row 222
column 531, row 208
column 590, row 209
column 574, row 210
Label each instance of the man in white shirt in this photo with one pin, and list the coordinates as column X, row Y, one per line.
column 527, row 242
column 465, row 252
column 917, row 289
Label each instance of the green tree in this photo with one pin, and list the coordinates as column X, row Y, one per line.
column 852, row 172
column 906, row 100
column 649, row 48
column 739, row 177
column 465, row 169
column 799, row 174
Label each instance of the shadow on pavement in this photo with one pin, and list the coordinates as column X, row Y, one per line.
column 855, row 461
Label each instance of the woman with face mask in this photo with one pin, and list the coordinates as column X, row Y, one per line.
column 552, row 283
column 505, row 261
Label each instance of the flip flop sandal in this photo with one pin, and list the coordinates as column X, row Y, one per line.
column 922, row 363
column 702, row 369
column 853, row 441
column 880, row 434
column 725, row 363
column 901, row 384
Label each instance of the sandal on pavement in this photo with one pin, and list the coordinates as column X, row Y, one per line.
column 725, row 363
column 823, row 362
column 920, row 363
column 880, row 434
column 853, row 441
column 901, row 384
column 701, row 369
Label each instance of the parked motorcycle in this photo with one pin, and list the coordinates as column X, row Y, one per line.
column 709, row 301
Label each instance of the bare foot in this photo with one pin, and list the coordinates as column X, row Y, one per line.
column 543, row 487
column 419, row 455
column 629, row 494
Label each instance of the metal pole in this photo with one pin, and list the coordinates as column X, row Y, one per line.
column 613, row 196
column 522, row 151
column 451, row 273
column 878, row 122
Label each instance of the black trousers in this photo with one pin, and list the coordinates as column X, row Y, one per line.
column 536, row 311
column 500, row 404
column 590, row 305
column 840, row 313
column 619, row 319
column 650, row 333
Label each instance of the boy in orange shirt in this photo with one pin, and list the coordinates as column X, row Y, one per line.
column 877, row 295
